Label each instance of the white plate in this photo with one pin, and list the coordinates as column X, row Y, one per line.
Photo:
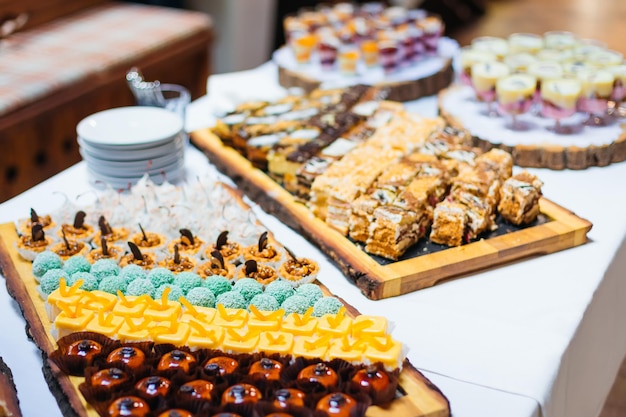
column 129, row 126
column 175, row 145
column 123, row 183
column 134, row 171
column 156, row 162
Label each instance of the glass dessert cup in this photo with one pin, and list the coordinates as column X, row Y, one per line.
column 525, row 42
column 348, row 59
column 433, row 28
column 616, row 105
column 470, row 56
column 484, row 78
column 388, row 50
column 543, row 70
column 559, row 40
column 327, row 51
column 302, row 46
column 515, row 96
column 597, row 87
column 497, row 46
column 558, row 101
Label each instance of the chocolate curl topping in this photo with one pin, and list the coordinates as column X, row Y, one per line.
column 292, row 255
column 176, row 255
column 135, row 250
column 251, row 267
column 263, row 241
column 187, row 233
column 34, row 218
column 218, row 256
column 105, row 228
column 79, row 220
column 37, row 232
column 143, row 233
column 222, row 239
column 67, row 243
column 105, row 247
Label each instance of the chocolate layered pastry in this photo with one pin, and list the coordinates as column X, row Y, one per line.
column 519, row 198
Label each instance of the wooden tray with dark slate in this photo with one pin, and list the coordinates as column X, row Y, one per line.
column 9, row 403
column 425, row 264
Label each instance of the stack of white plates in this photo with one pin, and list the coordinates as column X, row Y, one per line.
column 121, row 145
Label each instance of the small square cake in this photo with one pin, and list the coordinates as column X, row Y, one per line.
column 519, row 198
column 450, row 222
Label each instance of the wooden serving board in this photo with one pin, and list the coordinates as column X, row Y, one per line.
column 543, row 152
column 420, row 398
column 557, row 229
column 9, row 403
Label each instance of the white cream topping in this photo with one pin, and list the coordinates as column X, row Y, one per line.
column 339, row 147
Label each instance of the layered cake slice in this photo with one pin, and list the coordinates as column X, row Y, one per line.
column 519, row 198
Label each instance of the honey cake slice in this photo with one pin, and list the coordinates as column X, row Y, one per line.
column 519, row 198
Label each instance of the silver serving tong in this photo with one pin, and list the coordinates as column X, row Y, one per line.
column 147, row 93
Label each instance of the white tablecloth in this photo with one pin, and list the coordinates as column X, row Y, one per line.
column 538, row 337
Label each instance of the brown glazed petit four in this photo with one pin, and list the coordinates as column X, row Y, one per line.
column 129, row 406
column 336, row 404
column 131, row 356
column 153, row 386
column 371, row 378
column 197, row 389
column 268, row 368
column 176, row 359
column 241, row 394
column 85, row 348
column 108, row 378
column 321, row 373
column 222, row 365
column 177, row 412
column 288, row 397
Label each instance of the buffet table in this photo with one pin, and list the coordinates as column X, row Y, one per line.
column 538, row 337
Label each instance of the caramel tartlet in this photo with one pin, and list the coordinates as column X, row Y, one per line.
column 216, row 265
column 263, row 274
column 187, row 243
column 230, row 250
column 263, row 251
column 79, row 230
column 136, row 257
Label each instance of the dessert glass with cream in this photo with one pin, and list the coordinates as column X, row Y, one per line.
column 484, row 78
column 619, row 90
column 597, row 87
column 470, row 56
column 515, row 96
column 558, row 101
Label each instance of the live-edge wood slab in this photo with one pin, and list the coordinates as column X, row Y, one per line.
column 561, row 229
column 420, row 397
